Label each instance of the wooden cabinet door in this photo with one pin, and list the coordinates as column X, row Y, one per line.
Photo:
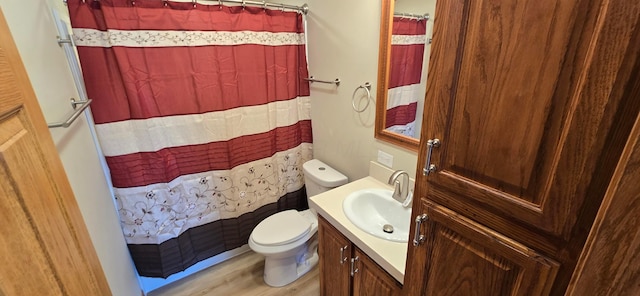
column 525, row 98
column 45, row 247
column 370, row 279
column 334, row 250
column 532, row 102
column 466, row 258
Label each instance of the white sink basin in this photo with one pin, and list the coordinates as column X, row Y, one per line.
column 372, row 209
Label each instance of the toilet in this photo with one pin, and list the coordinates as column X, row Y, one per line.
column 288, row 239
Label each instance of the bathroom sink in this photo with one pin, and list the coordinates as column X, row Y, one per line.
column 374, row 210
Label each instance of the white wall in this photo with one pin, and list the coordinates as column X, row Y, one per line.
column 343, row 43
column 34, row 32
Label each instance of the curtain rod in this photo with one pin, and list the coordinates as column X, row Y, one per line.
column 304, row 9
column 425, row 16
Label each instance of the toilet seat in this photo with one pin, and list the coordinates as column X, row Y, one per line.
column 281, row 228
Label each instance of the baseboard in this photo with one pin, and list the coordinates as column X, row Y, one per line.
column 149, row 284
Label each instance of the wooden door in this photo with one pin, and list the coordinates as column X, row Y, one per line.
column 609, row 264
column 334, row 250
column 45, row 248
column 531, row 103
column 370, row 279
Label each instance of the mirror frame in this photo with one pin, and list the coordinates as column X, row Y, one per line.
column 386, row 23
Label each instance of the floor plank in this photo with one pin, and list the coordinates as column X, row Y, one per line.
column 241, row 275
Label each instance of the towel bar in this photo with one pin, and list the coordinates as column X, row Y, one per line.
column 336, row 82
column 74, row 116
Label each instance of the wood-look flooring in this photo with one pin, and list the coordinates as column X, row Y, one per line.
column 241, row 275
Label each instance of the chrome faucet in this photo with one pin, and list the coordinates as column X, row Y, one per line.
column 401, row 195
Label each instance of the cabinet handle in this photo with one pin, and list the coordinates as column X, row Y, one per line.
column 419, row 238
column 343, row 258
column 428, row 166
column 354, row 270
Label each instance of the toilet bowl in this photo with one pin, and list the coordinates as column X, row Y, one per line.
column 288, row 239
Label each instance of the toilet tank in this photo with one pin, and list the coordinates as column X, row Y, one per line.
column 319, row 177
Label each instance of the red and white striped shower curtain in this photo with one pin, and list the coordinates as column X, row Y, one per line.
column 203, row 116
column 407, row 54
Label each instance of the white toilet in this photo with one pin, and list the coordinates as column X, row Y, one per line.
column 287, row 239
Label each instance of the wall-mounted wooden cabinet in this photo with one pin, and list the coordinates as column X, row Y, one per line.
column 532, row 103
column 346, row 270
column 485, row 262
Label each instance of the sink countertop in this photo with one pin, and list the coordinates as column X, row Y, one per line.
column 391, row 256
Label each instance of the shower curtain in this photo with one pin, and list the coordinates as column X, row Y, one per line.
column 408, row 40
column 203, row 115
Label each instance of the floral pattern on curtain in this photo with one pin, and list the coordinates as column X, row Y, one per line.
column 203, row 115
column 408, row 41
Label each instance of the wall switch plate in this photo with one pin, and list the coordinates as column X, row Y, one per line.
column 385, row 158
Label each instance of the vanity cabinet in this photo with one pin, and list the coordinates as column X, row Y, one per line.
column 334, row 250
column 530, row 104
column 370, row 279
column 347, row 270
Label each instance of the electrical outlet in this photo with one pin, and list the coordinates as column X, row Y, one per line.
column 385, row 158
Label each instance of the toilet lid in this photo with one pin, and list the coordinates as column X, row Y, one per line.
column 281, row 228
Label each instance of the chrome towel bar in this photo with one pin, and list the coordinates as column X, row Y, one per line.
column 311, row 79
column 74, row 116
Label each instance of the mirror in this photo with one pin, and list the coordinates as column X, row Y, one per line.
column 405, row 34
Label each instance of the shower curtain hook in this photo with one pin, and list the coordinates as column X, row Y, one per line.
column 264, row 4
column 243, row 4
column 282, row 7
column 165, row 2
column 220, row 4
column 194, row 3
